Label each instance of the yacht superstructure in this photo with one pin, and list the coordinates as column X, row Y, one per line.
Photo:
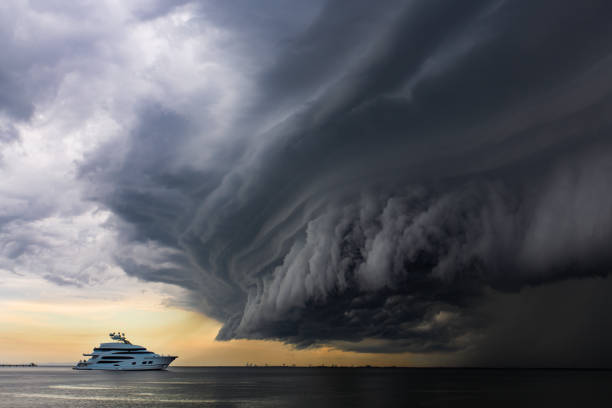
column 121, row 354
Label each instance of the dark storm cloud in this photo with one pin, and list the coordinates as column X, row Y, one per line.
column 426, row 153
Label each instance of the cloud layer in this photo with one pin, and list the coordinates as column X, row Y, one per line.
column 362, row 176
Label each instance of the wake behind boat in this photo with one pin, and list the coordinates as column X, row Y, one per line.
column 123, row 355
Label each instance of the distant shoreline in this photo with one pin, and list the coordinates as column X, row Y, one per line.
column 334, row 367
column 367, row 367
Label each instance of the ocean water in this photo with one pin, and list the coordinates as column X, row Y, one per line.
column 303, row 387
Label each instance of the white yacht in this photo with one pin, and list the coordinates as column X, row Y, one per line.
column 123, row 355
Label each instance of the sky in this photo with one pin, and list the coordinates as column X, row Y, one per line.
column 416, row 183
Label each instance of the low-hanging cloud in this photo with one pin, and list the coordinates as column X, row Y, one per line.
column 385, row 172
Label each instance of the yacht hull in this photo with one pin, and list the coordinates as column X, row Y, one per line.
column 145, row 364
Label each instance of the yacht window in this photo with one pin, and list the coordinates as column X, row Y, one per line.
column 144, row 362
column 117, row 358
column 134, row 363
column 133, row 352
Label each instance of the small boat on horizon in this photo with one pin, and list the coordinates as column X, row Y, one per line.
column 121, row 354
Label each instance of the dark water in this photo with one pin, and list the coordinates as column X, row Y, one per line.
column 303, row 387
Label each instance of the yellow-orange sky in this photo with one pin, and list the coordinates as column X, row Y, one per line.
column 43, row 322
column 60, row 331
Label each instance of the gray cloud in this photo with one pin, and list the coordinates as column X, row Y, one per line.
column 8, row 133
column 12, row 99
column 393, row 165
column 58, row 99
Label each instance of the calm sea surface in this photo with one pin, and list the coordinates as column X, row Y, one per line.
column 302, row 387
